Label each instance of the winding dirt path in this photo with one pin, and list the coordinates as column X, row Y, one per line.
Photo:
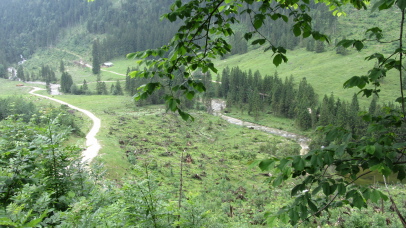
column 92, row 144
column 219, row 105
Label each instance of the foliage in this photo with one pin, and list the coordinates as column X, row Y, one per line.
column 66, row 82
column 327, row 173
column 39, row 175
column 96, row 57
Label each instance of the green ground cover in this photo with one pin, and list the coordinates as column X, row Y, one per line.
column 326, row 71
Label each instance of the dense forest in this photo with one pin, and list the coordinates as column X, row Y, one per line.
column 121, row 27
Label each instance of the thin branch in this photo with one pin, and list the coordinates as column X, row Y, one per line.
column 401, row 58
column 402, row 219
column 332, row 200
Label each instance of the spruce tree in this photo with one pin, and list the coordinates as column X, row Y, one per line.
column 66, row 82
column 372, row 106
column 62, row 67
column 20, row 73
column 319, row 48
column 117, row 89
column 96, row 57
column 85, row 86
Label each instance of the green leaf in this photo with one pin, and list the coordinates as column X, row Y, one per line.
column 271, row 221
column 303, row 211
column 401, row 4
column 312, row 206
column 400, row 100
column 248, row 36
column 298, row 163
column 358, row 200
column 296, row 30
column 190, row 95
column 283, row 163
column 212, row 68
column 172, row 104
column 294, row 216
column 358, row 45
column 258, row 20
column 370, row 149
column 316, row 190
column 401, row 174
column 277, row 181
column 131, row 55
column 258, row 41
column 299, row 187
column 341, row 189
column 185, row 116
column 326, row 188
column 266, row 164
column 375, row 196
column 277, row 60
column 7, row 222
column 360, row 82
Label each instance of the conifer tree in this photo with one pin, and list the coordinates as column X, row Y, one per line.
column 66, row 82
column 117, row 89
column 372, row 106
column 20, row 73
column 96, row 57
column 85, row 86
column 62, row 67
column 319, row 48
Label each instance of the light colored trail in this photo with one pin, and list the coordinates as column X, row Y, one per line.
column 93, row 146
column 219, row 105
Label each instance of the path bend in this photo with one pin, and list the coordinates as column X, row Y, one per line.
column 92, row 144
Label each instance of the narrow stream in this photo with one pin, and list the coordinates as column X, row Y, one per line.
column 218, row 105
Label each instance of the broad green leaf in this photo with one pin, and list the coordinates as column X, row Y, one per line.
column 185, row 116
column 248, row 36
column 271, row 221
column 401, row 4
column 172, row 105
column 370, row 149
column 360, row 82
column 283, row 163
column 358, row 45
column 400, row 100
column 190, row 95
column 312, row 206
column 294, row 216
column 375, row 196
column 131, row 55
column 296, row 30
column 298, row 163
column 401, row 174
column 277, row 60
column 266, row 164
column 258, row 20
column 299, row 187
column 316, row 190
column 326, row 188
column 277, row 181
column 303, row 211
column 258, row 41
column 341, row 189
column 358, row 200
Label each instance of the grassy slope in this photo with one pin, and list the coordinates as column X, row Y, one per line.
column 326, row 72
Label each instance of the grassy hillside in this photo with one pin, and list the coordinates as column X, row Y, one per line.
column 326, row 72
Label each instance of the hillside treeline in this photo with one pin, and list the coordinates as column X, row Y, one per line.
column 122, row 27
column 256, row 95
